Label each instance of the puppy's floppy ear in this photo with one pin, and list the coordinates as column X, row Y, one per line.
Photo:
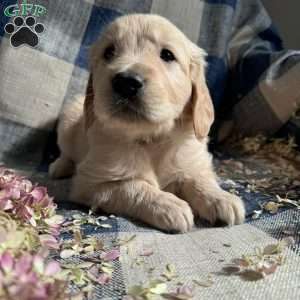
column 202, row 106
column 89, row 115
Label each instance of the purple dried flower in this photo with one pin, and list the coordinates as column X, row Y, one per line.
column 111, row 255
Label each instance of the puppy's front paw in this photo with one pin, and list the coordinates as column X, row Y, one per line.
column 172, row 214
column 224, row 207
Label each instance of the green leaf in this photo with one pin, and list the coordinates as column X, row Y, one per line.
column 170, row 272
column 136, row 290
column 272, row 249
column 125, row 241
column 159, row 289
column 106, row 270
column 79, row 277
column 204, row 284
column 77, row 216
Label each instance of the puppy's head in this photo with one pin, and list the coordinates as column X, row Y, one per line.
column 145, row 75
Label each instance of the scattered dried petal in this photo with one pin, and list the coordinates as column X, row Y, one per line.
column 67, row 253
column 252, row 275
column 267, row 270
column 272, row 207
column 182, row 293
column 52, row 268
column 103, row 279
column 205, row 284
column 170, row 272
column 241, row 262
column 146, row 252
column 231, row 269
column 105, row 225
column 111, row 255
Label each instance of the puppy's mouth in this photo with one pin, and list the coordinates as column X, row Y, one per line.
column 130, row 109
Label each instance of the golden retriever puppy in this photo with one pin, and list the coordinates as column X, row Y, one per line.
column 137, row 143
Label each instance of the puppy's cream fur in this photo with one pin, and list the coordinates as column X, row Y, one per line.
column 154, row 167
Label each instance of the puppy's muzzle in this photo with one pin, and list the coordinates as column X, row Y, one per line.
column 127, row 85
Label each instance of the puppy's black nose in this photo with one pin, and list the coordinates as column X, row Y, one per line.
column 127, row 84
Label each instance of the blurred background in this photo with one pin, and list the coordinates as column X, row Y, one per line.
column 286, row 16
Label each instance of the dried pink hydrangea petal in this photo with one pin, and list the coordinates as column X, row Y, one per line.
column 40, row 292
column 67, row 223
column 23, row 264
column 15, row 192
column 26, row 185
column 6, row 262
column 183, row 292
column 103, row 279
column 146, row 252
column 6, row 204
column 269, row 269
column 25, row 213
column 54, row 230
column 49, row 241
column 111, row 255
column 52, row 268
column 94, row 271
column 39, row 193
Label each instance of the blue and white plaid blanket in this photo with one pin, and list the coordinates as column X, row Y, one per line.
column 255, row 87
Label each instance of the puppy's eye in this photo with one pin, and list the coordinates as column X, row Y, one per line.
column 109, row 52
column 167, row 55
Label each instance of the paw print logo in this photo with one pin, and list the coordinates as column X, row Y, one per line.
column 24, row 31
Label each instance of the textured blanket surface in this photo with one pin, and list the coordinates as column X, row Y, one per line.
column 205, row 251
column 251, row 77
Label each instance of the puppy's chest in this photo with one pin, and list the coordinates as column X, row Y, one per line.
column 165, row 163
